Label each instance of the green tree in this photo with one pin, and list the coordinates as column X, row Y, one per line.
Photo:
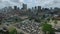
column 47, row 28
column 14, row 31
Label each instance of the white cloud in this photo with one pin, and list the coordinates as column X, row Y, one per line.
column 48, row 3
column 7, row 3
column 21, row 0
column 43, row 3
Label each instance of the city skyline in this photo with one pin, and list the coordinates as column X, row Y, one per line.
column 30, row 3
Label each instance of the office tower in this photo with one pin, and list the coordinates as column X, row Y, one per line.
column 15, row 7
column 39, row 8
column 24, row 6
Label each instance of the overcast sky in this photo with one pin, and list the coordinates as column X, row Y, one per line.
column 30, row 3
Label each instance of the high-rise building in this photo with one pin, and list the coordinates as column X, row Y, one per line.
column 24, row 6
column 35, row 7
column 39, row 8
column 15, row 7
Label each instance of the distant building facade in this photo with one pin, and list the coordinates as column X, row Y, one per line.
column 39, row 8
column 24, row 6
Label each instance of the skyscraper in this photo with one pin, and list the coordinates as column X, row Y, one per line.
column 24, row 6
column 39, row 8
column 15, row 7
